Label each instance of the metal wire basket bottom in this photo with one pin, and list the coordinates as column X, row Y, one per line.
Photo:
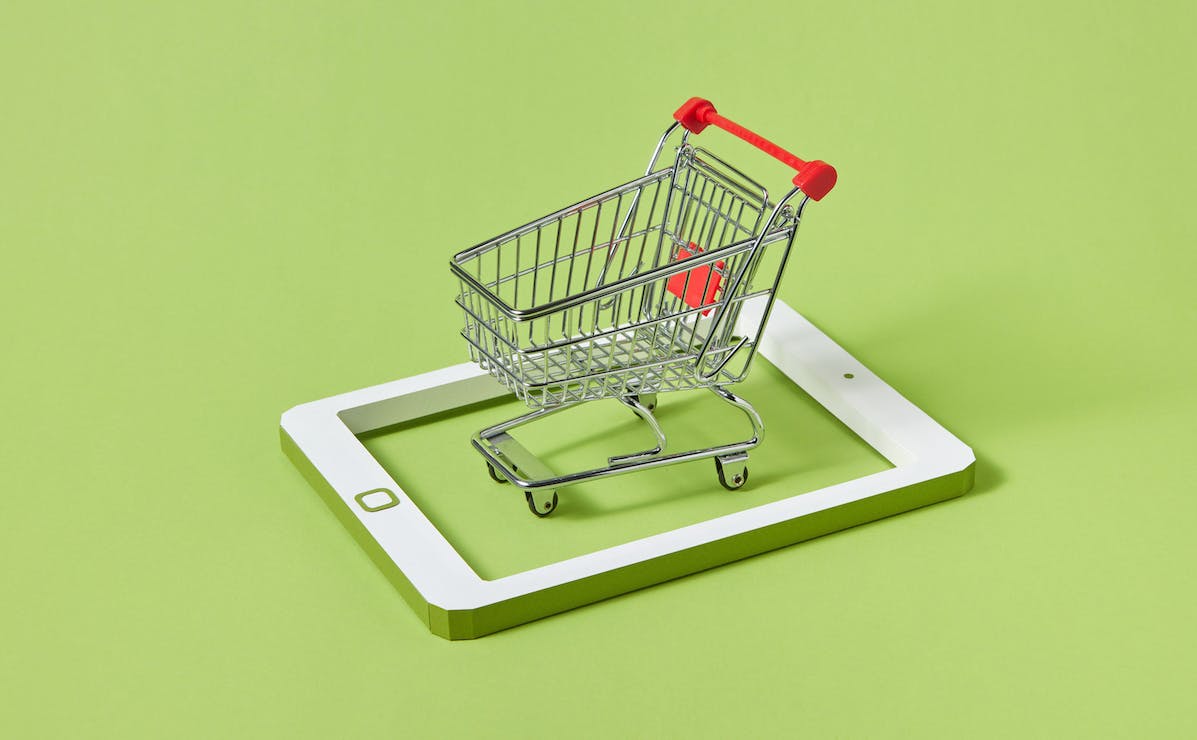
column 638, row 360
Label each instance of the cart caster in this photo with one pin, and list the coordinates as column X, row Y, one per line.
column 733, row 471
column 494, row 474
column 546, row 508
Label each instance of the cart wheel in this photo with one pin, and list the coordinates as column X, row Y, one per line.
column 494, row 474
column 550, row 506
column 733, row 476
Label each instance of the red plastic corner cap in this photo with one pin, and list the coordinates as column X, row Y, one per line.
column 693, row 114
column 816, row 179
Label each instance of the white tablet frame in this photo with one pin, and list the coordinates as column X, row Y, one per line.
column 930, row 465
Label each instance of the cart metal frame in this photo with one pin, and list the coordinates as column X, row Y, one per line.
column 631, row 293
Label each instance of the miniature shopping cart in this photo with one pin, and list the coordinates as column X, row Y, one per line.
column 634, row 292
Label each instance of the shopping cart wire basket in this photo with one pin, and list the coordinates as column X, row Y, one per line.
column 630, row 293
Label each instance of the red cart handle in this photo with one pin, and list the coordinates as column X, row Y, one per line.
column 815, row 178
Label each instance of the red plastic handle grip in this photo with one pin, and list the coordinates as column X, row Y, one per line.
column 815, row 178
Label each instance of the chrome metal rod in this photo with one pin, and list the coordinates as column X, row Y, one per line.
column 644, row 413
column 482, row 443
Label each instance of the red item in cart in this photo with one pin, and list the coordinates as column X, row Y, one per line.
column 697, row 287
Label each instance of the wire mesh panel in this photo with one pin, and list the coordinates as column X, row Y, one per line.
column 635, row 290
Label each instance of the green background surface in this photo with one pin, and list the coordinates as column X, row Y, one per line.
column 212, row 212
